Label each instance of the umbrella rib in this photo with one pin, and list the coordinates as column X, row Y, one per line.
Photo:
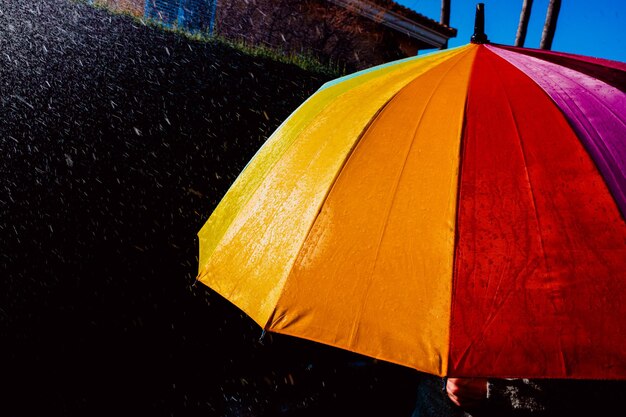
column 354, row 329
column 462, row 144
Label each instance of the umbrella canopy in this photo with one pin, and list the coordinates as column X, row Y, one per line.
column 461, row 213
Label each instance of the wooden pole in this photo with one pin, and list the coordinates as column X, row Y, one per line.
column 445, row 17
column 524, row 17
column 445, row 12
column 550, row 26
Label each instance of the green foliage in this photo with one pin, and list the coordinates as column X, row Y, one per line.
column 306, row 61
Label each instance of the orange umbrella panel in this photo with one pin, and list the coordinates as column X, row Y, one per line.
column 388, row 224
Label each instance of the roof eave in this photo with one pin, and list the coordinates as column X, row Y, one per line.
column 396, row 22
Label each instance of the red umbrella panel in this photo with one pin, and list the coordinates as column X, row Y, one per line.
column 539, row 230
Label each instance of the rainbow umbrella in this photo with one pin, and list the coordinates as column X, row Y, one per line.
column 460, row 213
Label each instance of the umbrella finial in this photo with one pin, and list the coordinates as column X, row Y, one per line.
column 479, row 25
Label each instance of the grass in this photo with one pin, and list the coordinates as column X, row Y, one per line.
column 306, row 61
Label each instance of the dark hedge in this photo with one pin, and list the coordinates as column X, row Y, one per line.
column 117, row 140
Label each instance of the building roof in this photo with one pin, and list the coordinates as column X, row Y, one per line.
column 402, row 19
column 413, row 15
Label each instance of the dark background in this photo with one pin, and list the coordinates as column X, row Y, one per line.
column 117, row 140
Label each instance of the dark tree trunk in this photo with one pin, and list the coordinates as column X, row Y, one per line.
column 550, row 26
column 524, row 17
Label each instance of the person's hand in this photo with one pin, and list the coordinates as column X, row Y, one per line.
column 467, row 393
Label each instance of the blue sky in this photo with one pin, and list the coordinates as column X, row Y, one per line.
column 595, row 28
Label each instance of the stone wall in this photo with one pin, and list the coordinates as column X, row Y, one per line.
column 329, row 32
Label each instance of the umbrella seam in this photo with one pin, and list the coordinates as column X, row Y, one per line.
column 462, row 144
